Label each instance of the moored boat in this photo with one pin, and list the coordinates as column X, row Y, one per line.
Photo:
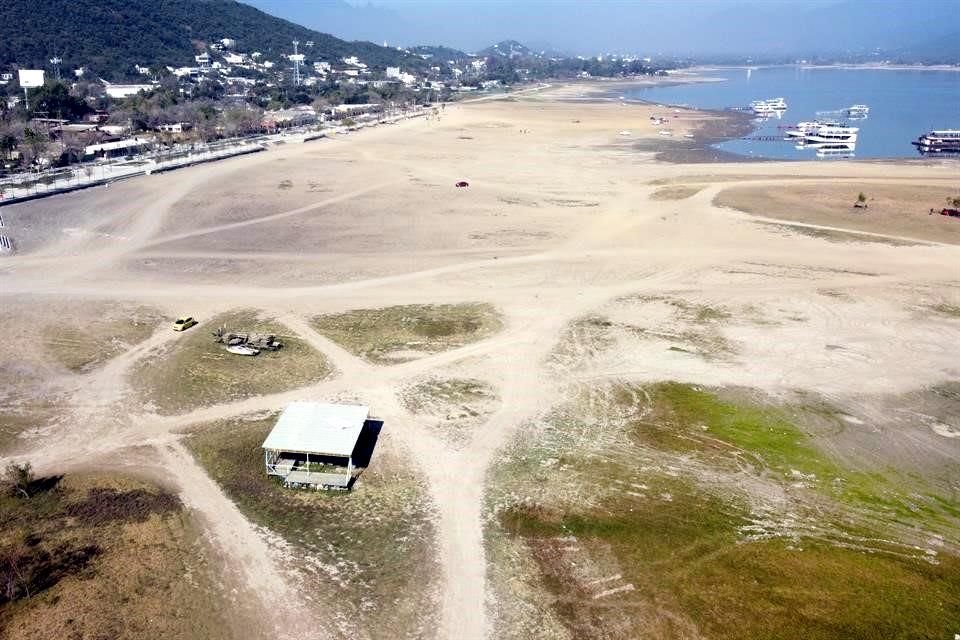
column 832, row 133
column 939, row 140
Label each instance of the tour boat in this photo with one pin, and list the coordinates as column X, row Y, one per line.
column 801, row 129
column 767, row 107
column 832, row 133
column 939, row 140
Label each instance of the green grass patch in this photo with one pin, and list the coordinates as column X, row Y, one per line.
column 377, row 538
column 688, row 572
column 681, row 555
column 682, row 418
column 195, row 371
column 402, row 333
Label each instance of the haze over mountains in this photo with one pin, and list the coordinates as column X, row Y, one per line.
column 692, row 27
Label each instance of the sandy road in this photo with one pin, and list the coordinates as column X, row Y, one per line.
column 625, row 245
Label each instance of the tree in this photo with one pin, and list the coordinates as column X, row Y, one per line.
column 862, row 197
column 954, row 201
column 56, row 101
column 34, row 146
column 18, row 478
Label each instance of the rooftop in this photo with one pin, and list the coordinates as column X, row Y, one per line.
column 318, row 427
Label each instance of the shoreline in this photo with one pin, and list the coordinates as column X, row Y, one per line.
column 852, row 66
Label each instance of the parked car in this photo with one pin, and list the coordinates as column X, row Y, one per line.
column 184, row 323
column 462, row 183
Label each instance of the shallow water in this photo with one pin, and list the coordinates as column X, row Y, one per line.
column 903, row 104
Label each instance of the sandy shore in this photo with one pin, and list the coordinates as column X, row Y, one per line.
column 560, row 222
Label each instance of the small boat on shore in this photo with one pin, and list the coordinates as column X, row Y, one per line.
column 243, row 350
column 939, row 140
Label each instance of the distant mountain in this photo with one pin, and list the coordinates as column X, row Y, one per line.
column 508, row 49
column 943, row 49
column 111, row 36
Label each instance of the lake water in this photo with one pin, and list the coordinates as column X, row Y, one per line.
column 903, row 105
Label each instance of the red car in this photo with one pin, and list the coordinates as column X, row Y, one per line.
column 953, row 213
column 462, row 183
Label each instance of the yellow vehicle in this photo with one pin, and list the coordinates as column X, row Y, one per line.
column 184, row 323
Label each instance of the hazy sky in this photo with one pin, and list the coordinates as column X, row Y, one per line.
column 642, row 26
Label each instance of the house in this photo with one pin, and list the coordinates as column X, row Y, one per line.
column 313, row 444
column 117, row 148
column 176, row 127
column 295, row 116
column 125, row 90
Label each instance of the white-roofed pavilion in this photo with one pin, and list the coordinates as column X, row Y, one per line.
column 313, row 444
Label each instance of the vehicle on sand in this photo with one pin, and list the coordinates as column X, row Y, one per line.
column 184, row 323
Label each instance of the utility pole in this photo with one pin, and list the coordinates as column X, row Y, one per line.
column 296, row 63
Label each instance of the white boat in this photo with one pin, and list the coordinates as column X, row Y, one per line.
column 243, row 350
column 768, row 107
column 857, row 110
column 832, row 133
column 801, row 129
column 939, row 140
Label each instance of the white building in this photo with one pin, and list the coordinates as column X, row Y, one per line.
column 229, row 43
column 203, row 59
column 125, row 90
column 393, row 72
column 233, row 58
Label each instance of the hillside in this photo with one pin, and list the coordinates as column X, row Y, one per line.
column 438, row 53
column 508, row 49
column 110, row 36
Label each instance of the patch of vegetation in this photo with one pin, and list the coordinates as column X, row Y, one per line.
column 949, row 310
column 102, row 556
column 456, row 405
column 832, row 235
column 195, row 371
column 607, row 514
column 375, row 543
column 688, row 573
column 679, row 192
column 569, row 202
column 402, row 333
